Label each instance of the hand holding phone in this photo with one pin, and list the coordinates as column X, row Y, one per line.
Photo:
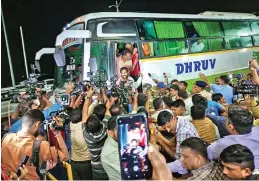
column 133, row 145
column 24, row 161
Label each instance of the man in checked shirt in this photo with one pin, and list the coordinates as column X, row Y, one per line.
column 180, row 128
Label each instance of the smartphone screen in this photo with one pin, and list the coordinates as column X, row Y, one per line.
column 133, row 146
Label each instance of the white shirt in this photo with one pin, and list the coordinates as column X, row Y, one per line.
column 131, row 82
column 188, row 105
column 197, row 47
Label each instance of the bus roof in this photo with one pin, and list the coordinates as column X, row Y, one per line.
column 227, row 16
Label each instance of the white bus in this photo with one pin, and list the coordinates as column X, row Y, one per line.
column 179, row 45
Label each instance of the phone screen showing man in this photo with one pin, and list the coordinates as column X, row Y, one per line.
column 133, row 146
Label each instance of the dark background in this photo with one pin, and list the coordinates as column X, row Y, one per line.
column 43, row 20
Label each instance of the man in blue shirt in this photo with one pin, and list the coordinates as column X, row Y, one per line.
column 217, row 106
column 223, row 88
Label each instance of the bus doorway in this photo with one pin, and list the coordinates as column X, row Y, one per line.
column 127, row 55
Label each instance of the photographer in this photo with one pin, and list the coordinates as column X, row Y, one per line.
column 127, row 81
column 16, row 146
column 94, row 131
column 42, row 99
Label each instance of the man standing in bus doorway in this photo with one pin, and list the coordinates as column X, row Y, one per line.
column 124, row 61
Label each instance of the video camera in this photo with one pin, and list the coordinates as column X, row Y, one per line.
column 243, row 88
column 62, row 114
column 98, row 80
column 236, row 76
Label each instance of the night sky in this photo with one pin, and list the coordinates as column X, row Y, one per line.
column 43, row 20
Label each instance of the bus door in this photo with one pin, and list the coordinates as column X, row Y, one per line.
column 118, row 50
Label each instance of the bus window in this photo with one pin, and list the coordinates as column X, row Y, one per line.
column 246, row 41
column 99, row 55
column 255, row 27
column 71, row 71
column 233, row 31
column 197, row 30
column 164, row 48
column 172, row 47
column 203, row 29
column 233, row 42
column 256, row 40
column 169, row 29
column 236, row 28
column 146, row 30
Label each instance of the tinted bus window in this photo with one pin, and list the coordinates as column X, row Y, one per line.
column 233, row 31
column 255, row 27
column 146, row 30
column 99, row 56
column 112, row 29
column 199, row 31
column 236, row 28
column 120, row 27
column 202, row 29
column 206, row 44
column 256, row 40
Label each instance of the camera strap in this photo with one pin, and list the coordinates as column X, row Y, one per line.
column 35, row 160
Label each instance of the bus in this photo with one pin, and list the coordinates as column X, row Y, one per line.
column 179, row 45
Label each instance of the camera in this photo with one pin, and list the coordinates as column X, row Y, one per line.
column 61, row 114
column 98, row 80
column 251, row 89
column 236, row 76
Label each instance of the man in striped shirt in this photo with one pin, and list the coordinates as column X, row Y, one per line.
column 95, row 134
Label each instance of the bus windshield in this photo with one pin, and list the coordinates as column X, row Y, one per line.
column 73, row 49
column 73, row 68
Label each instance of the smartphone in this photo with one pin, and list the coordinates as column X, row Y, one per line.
column 24, row 161
column 94, row 98
column 133, row 139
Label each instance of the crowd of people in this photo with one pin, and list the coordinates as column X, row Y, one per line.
column 198, row 135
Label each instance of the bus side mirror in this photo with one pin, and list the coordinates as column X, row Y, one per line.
column 60, row 57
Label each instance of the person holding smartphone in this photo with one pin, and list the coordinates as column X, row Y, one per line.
column 95, row 135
